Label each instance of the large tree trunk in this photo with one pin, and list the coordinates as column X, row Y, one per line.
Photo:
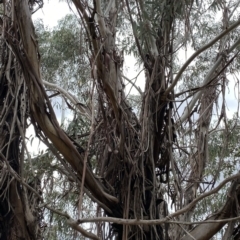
column 20, row 217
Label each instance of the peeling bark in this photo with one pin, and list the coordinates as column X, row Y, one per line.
column 134, row 156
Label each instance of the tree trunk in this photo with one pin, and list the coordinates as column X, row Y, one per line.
column 19, row 218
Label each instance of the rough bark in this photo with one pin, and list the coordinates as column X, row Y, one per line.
column 19, row 220
column 134, row 156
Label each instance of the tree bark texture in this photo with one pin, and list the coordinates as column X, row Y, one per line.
column 134, row 156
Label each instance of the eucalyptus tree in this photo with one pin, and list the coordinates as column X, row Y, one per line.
column 149, row 173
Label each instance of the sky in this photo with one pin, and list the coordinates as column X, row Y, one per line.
column 52, row 11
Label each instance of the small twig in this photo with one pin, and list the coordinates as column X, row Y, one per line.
column 83, row 109
column 133, row 83
column 86, row 153
column 186, row 232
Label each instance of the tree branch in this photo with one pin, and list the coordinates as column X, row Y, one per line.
column 166, row 219
column 106, row 13
column 41, row 108
column 171, row 87
column 85, row 233
column 136, row 87
column 206, row 230
column 197, row 95
column 83, row 109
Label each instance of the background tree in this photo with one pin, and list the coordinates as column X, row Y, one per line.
column 148, row 174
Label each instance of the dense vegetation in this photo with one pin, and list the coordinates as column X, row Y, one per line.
column 159, row 162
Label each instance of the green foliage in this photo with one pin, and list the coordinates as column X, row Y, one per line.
column 64, row 53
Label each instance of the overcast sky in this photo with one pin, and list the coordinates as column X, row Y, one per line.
column 52, row 11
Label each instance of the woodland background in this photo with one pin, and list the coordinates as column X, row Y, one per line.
column 157, row 162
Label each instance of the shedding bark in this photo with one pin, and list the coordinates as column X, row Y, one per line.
column 136, row 166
